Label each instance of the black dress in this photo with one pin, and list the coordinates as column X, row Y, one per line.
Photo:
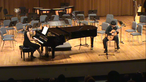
column 27, row 43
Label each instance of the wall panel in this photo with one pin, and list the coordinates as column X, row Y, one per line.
column 116, row 7
column 104, row 7
column 1, row 5
column 97, row 6
column 45, row 3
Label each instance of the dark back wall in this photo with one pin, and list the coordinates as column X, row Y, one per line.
column 115, row 7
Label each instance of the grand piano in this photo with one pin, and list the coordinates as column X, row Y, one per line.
column 59, row 35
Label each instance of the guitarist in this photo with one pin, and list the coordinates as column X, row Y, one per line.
column 111, row 32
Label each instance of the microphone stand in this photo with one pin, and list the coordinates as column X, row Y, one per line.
column 80, row 38
column 122, row 24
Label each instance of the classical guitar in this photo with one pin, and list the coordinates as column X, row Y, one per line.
column 113, row 33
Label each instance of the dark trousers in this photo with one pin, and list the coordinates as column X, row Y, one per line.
column 116, row 39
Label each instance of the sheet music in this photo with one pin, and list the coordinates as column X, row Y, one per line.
column 45, row 30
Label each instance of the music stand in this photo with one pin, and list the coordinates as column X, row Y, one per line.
column 52, row 18
column 79, row 18
column 32, row 16
column 141, row 13
column 48, row 18
column 25, row 20
column 36, row 25
column 60, row 14
column 79, row 12
column 92, row 12
column 94, row 18
column 12, row 23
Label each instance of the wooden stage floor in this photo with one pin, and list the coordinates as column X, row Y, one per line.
column 128, row 51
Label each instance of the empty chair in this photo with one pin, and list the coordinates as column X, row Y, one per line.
column 19, row 28
column 66, row 16
column 92, row 18
column 6, row 14
column 35, row 24
column 9, row 25
column 6, row 23
column 74, row 16
column 15, row 19
column 43, row 19
column 85, row 22
column 104, row 27
column 68, row 22
column 109, row 18
column 138, row 33
column 61, row 14
column 4, row 30
column 134, row 27
column 55, row 17
column 142, row 19
column 24, row 20
column 6, row 37
column 80, row 18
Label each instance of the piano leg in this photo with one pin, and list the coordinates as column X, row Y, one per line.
column 92, row 39
column 53, row 52
column 46, row 51
column 52, row 49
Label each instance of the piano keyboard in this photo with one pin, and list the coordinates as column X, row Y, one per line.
column 38, row 40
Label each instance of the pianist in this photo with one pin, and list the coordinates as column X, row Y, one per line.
column 27, row 41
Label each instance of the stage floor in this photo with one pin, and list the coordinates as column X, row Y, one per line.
column 128, row 51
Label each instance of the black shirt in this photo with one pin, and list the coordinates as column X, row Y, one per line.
column 109, row 28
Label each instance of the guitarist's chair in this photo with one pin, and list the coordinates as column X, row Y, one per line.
column 109, row 50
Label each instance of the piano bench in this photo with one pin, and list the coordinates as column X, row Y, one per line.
column 25, row 50
column 65, row 47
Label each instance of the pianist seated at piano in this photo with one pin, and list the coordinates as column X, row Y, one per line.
column 28, row 41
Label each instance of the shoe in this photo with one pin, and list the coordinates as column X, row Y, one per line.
column 105, row 51
column 118, row 48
